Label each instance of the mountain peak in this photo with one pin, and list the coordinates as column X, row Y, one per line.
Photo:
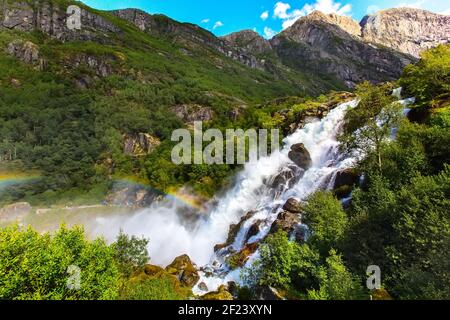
column 249, row 40
column 407, row 30
column 345, row 23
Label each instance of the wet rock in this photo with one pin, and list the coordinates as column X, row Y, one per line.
column 286, row 221
column 184, row 269
column 346, row 177
column 233, row 288
column 202, row 286
column 286, row 179
column 221, row 294
column 233, row 231
column 239, row 259
column 293, row 205
column 138, row 145
column 254, row 229
column 300, row 156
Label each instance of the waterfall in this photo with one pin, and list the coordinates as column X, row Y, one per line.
column 170, row 235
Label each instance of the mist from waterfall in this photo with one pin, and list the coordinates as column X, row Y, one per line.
column 171, row 236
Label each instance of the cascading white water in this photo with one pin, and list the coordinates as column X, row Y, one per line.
column 171, row 236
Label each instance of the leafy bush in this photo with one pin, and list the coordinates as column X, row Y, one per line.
column 34, row 266
column 324, row 215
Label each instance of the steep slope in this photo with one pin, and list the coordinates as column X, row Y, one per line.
column 406, row 30
column 248, row 40
column 319, row 44
column 88, row 107
column 187, row 34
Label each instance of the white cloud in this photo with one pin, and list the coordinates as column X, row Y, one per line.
column 446, row 12
column 264, row 15
column 417, row 5
column 205, row 20
column 372, row 9
column 218, row 24
column 283, row 10
column 269, row 33
column 280, row 10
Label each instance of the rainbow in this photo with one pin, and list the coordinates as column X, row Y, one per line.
column 172, row 194
column 14, row 178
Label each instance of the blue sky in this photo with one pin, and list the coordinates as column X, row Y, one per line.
column 267, row 17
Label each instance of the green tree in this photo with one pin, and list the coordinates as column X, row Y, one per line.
column 324, row 215
column 429, row 79
column 369, row 124
column 35, row 266
column 130, row 253
column 336, row 282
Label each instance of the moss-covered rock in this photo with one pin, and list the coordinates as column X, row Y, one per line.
column 184, row 269
column 221, row 294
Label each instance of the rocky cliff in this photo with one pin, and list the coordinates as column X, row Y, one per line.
column 51, row 19
column 249, row 40
column 322, row 44
column 326, row 47
column 406, row 30
column 189, row 35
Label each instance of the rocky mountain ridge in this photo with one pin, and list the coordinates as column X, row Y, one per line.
column 330, row 46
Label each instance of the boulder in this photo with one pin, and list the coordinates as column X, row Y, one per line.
column 286, row 179
column 184, row 269
column 346, row 177
column 300, row 156
column 152, row 270
column 254, row 229
column 202, row 286
column 293, row 205
column 25, row 51
column 233, row 231
column 221, row 294
column 286, row 221
column 240, row 258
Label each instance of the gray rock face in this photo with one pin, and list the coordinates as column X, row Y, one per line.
column 317, row 44
column 189, row 35
column 300, row 156
column 406, row 30
column 25, row 51
column 50, row 19
column 248, row 40
column 191, row 113
column 140, row 144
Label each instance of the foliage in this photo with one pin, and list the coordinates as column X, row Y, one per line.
column 130, row 253
column 327, row 220
column 159, row 287
column 429, row 80
column 369, row 124
column 34, row 266
column 336, row 282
